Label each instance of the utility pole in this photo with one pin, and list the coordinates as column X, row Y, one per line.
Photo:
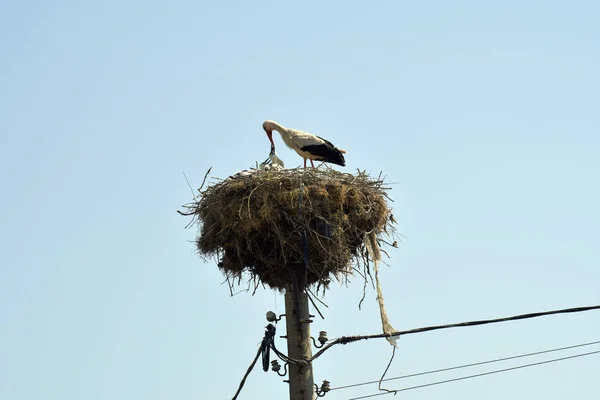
column 297, row 323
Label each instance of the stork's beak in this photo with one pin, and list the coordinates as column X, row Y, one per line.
column 264, row 164
column 272, row 149
column 270, row 136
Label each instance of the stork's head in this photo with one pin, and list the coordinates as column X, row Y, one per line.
column 268, row 127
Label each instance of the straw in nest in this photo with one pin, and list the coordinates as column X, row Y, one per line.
column 274, row 225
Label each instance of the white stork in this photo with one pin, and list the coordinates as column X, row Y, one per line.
column 272, row 163
column 276, row 162
column 307, row 145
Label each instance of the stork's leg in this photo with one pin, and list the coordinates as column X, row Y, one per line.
column 311, row 163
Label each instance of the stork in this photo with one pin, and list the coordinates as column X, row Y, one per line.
column 307, row 145
column 271, row 163
column 273, row 160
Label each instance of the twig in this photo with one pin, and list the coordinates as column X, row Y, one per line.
column 186, row 214
column 204, row 180
column 368, row 272
column 319, row 300
column 190, row 186
column 314, row 305
column 364, row 293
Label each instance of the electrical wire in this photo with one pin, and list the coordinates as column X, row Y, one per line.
column 350, row 339
column 465, row 365
column 284, row 357
column 475, row 375
column 247, row 373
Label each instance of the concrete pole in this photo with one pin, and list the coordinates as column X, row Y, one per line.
column 298, row 345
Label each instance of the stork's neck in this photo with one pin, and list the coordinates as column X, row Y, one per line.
column 276, row 127
column 284, row 132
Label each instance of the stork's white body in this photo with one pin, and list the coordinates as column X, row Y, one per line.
column 307, row 145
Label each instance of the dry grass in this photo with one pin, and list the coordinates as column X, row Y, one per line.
column 256, row 225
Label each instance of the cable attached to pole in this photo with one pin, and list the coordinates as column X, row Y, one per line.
column 350, row 339
column 235, row 396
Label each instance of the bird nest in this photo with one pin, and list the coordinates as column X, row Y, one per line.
column 276, row 226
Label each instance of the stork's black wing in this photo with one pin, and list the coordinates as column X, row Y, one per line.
column 326, row 152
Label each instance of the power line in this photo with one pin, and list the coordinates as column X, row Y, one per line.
column 465, row 365
column 266, row 344
column 247, row 373
column 475, row 375
column 350, row 339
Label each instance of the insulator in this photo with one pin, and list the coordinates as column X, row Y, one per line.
column 325, row 386
column 322, row 337
column 275, row 366
column 271, row 316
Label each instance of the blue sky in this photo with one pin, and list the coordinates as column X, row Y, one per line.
column 484, row 115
